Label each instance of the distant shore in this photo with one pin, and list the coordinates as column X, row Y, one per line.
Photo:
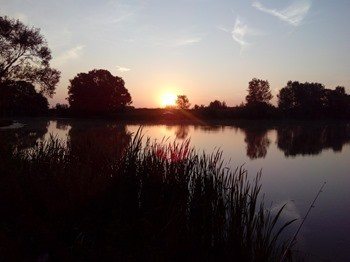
column 201, row 115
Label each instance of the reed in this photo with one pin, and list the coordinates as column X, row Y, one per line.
column 158, row 201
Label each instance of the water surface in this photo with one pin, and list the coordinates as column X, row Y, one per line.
column 295, row 159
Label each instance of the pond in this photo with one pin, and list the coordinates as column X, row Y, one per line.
column 296, row 158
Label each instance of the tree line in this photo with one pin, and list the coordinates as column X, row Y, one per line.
column 27, row 80
column 295, row 100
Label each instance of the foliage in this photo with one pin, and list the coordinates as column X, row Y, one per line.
column 216, row 104
column 182, row 102
column 21, row 98
column 24, row 55
column 153, row 202
column 313, row 100
column 98, row 91
column 258, row 92
column 61, row 107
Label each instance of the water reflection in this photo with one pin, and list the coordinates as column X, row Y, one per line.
column 182, row 131
column 257, row 142
column 25, row 137
column 109, row 138
column 312, row 139
column 212, row 128
column 105, row 140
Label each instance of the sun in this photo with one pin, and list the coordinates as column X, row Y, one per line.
column 168, row 99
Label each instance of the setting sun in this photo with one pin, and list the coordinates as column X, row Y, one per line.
column 168, row 99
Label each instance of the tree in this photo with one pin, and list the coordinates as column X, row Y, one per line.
column 303, row 99
column 98, row 91
column 21, row 98
column 24, row 55
column 182, row 102
column 61, row 107
column 258, row 92
column 338, row 102
column 216, row 104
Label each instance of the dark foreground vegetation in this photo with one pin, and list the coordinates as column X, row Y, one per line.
column 93, row 201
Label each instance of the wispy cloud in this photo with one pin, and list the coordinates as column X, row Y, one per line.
column 119, row 12
column 293, row 14
column 123, row 69
column 239, row 33
column 188, row 41
column 242, row 33
column 175, row 41
column 68, row 55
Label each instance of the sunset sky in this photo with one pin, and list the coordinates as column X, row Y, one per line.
column 205, row 49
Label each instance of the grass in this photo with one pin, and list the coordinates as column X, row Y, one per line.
column 159, row 201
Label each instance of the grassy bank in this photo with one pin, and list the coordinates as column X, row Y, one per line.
column 141, row 202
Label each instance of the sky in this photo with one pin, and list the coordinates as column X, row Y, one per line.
column 205, row 49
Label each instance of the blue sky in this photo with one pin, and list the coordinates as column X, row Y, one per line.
column 206, row 49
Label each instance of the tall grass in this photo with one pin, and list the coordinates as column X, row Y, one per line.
column 159, row 201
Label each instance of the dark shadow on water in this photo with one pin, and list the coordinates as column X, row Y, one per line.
column 182, row 132
column 257, row 142
column 25, row 137
column 312, row 139
column 105, row 140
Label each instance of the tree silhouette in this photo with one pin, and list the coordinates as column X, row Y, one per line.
column 258, row 92
column 216, row 104
column 98, row 91
column 24, row 55
column 338, row 102
column 302, row 99
column 182, row 102
column 21, row 98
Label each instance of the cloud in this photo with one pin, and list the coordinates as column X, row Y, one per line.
column 239, row 33
column 70, row 54
column 123, row 69
column 293, row 14
column 175, row 41
column 188, row 41
column 118, row 12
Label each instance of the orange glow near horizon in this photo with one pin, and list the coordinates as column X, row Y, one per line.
column 168, row 99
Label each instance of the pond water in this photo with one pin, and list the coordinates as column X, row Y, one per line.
column 296, row 158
